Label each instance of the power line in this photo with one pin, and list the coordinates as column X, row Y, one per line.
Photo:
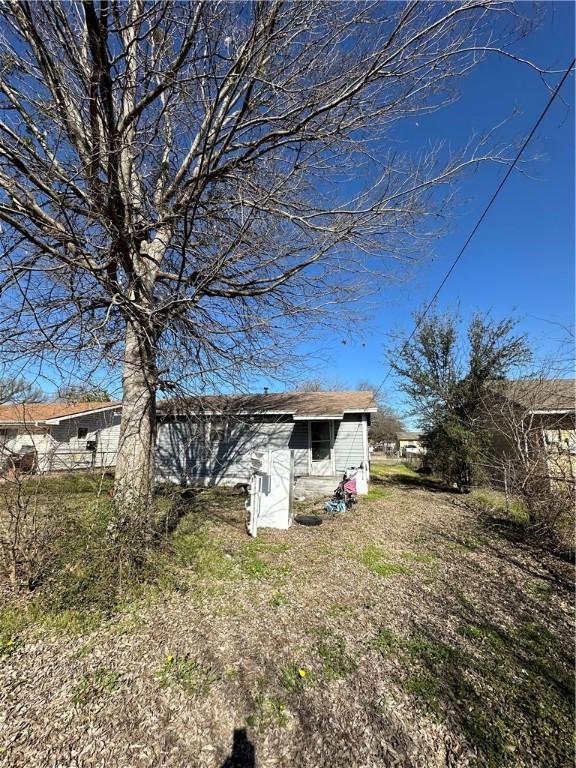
column 481, row 219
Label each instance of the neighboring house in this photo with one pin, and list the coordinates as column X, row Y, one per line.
column 210, row 439
column 409, row 444
column 536, row 419
column 63, row 436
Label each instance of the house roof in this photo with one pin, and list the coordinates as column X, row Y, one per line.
column 409, row 435
column 26, row 413
column 540, row 395
column 300, row 405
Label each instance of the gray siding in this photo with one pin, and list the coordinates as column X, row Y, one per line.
column 299, row 444
column 348, row 442
column 69, row 452
column 184, row 455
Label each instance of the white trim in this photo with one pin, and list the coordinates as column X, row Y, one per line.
column 58, row 419
column 365, row 449
column 322, row 417
column 551, row 412
column 332, row 451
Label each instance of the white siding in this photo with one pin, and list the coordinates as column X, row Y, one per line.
column 349, row 449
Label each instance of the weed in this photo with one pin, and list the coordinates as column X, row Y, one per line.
column 278, row 599
column 13, row 621
column 377, row 492
column 375, row 560
column 341, row 609
column 270, row 711
column 331, row 650
column 385, row 641
column 491, row 501
column 202, row 552
column 466, row 543
column 294, row 678
column 481, row 632
column 539, row 587
column 7, row 647
column 70, row 621
column 95, row 684
column 259, row 545
column 426, row 687
column 194, row 678
column 255, row 567
column 507, row 672
column 417, row 557
column 85, row 650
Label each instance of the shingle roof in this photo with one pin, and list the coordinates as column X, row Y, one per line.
column 409, row 435
column 32, row 412
column 298, row 404
column 540, row 395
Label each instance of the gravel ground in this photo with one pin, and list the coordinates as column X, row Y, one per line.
column 318, row 654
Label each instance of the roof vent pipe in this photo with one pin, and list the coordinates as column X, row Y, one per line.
column 265, row 390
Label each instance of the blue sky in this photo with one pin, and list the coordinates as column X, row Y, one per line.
column 521, row 262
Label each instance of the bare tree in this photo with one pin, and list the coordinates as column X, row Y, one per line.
column 184, row 184
column 18, row 390
column 83, row 394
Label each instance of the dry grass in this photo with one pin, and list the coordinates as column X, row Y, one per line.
column 401, row 634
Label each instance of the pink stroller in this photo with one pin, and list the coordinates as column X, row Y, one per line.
column 346, row 491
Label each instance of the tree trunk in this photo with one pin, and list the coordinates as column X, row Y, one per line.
column 135, row 459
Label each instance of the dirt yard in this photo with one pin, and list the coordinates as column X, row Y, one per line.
column 409, row 632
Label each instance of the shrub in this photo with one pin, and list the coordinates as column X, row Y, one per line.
column 76, row 551
column 27, row 532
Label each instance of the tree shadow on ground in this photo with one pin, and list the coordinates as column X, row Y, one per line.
column 508, row 690
column 519, row 532
column 477, row 656
column 410, row 481
column 214, row 504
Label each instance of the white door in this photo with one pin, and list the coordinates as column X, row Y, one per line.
column 321, row 442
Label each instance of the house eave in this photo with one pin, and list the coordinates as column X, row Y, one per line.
column 320, row 417
column 551, row 412
column 59, row 419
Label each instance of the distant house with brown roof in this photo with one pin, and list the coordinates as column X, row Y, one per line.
column 537, row 418
column 60, row 436
column 211, row 439
column 549, row 404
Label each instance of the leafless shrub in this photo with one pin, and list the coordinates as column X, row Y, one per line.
column 27, row 532
column 532, row 454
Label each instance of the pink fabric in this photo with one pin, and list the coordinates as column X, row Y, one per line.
column 350, row 486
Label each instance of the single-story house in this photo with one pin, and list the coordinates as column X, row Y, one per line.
column 409, row 443
column 61, row 436
column 211, row 439
column 536, row 417
column 203, row 439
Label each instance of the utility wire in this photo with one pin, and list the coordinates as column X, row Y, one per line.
column 481, row 219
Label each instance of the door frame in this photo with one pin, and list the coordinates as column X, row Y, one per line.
column 332, row 457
